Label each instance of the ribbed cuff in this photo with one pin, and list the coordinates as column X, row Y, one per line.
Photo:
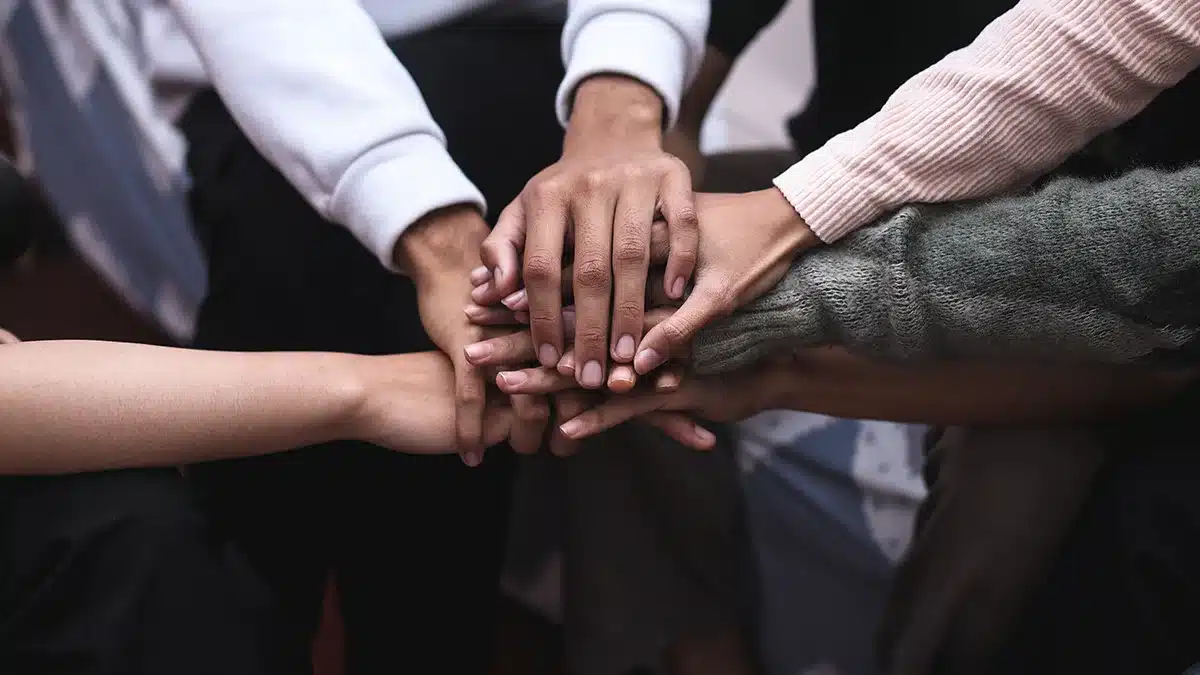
column 787, row 318
column 393, row 186
column 828, row 195
column 634, row 44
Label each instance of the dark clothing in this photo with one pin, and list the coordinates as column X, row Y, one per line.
column 1124, row 595
column 118, row 573
column 416, row 543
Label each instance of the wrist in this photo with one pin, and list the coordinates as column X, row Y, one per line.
column 447, row 239
column 346, row 387
column 615, row 109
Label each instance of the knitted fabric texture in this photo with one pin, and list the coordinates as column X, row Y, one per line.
column 1078, row 271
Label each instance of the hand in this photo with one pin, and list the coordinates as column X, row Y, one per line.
column 384, row 417
column 747, row 243
column 726, row 398
column 612, row 181
column 439, row 252
column 7, row 338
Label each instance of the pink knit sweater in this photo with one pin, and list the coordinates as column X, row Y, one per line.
column 1037, row 85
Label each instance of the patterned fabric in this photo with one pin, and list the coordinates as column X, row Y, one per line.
column 109, row 161
column 830, row 505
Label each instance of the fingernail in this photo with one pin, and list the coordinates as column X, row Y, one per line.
column 646, row 361
column 592, row 375
column 548, row 355
column 704, row 435
column 479, row 275
column 479, row 350
column 621, row 379
column 668, row 382
column 567, row 365
column 480, row 292
column 571, row 428
column 625, row 347
column 677, row 288
column 472, row 459
column 513, row 300
column 514, row 378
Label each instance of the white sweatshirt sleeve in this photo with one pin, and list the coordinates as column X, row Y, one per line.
column 316, row 89
column 659, row 42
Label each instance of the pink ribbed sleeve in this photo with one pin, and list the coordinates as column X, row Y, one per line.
column 1035, row 86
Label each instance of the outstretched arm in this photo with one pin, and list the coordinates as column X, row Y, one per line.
column 68, row 406
column 1100, row 272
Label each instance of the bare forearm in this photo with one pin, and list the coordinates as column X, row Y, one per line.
column 838, row 384
column 77, row 406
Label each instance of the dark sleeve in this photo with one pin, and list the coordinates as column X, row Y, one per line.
column 735, row 23
column 1083, row 272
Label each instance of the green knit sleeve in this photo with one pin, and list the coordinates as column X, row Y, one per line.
column 1078, row 271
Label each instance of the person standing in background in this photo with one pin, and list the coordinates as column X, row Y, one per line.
column 341, row 156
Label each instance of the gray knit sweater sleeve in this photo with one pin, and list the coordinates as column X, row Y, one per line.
column 1091, row 272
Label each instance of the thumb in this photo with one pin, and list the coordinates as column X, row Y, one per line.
column 672, row 338
column 499, row 253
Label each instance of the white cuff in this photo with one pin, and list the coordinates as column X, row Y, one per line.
column 393, row 186
column 634, row 44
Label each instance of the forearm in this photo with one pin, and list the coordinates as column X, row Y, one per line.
column 1077, row 272
column 1036, row 85
column 964, row 393
column 75, row 406
column 320, row 94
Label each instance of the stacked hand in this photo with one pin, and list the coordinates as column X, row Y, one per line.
column 746, row 243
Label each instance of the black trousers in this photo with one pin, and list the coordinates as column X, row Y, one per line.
column 118, row 573
column 1123, row 597
column 416, row 543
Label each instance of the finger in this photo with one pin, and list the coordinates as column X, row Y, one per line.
column 634, row 213
column 660, row 242
column 593, row 287
column 490, row 316
column 499, row 253
column 566, row 365
column 514, row 349
column 567, row 405
column 657, row 316
column 656, row 296
column 543, row 269
column 679, row 210
column 521, row 317
column 668, row 380
column 610, row 413
column 672, row 338
column 532, row 414
column 469, row 408
column 621, row 379
column 518, row 301
column 681, row 428
column 7, row 338
column 480, row 275
column 535, row 381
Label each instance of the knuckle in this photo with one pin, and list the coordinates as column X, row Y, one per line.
column 628, row 311
column 542, row 190
column 591, row 337
column 635, row 172
column 630, row 250
column 541, row 268
column 542, row 318
column 594, row 180
column 684, row 216
column 592, row 273
column 685, row 256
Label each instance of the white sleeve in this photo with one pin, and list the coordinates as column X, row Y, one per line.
column 316, row 89
column 659, row 42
